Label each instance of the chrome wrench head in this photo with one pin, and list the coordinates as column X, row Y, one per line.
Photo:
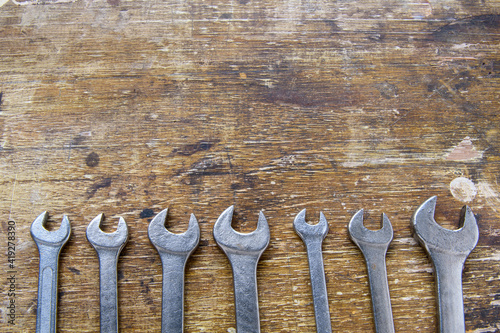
column 49, row 245
column 434, row 237
column 101, row 239
column 174, row 251
column 361, row 235
column 374, row 244
column 232, row 241
column 313, row 236
column 243, row 252
column 166, row 241
column 448, row 250
column 306, row 230
column 53, row 238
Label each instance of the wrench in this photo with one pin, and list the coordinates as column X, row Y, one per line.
column 313, row 236
column 108, row 247
column 448, row 250
column 374, row 245
column 174, row 251
column 243, row 252
column 49, row 245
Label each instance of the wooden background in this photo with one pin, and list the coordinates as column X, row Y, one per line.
column 130, row 106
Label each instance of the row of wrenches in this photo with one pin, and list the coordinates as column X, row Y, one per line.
column 448, row 250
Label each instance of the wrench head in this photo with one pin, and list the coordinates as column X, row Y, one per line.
column 434, row 237
column 361, row 235
column 43, row 236
column 166, row 241
column 307, row 231
column 232, row 241
column 99, row 238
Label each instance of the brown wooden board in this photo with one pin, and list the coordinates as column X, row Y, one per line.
column 130, row 107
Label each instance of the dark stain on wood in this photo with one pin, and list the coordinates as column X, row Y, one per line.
column 92, row 190
column 146, row 212
column 190, row 149
column 74, row 270
column 92, row 160
column 470, row 28
column 114, row 3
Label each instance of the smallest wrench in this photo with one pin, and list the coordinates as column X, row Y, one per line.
column 108, row 247
column 374, row 245
column 49, row 245
column 313, row 236
column 174, row 251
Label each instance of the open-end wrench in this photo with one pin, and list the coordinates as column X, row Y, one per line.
column 243, row 252
column 313, row 236
column 374, row 244
column 49, row 245
column 108, row 247
column 174, row 250
column 448, row 250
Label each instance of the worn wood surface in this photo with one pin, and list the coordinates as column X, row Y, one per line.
column 129, row 107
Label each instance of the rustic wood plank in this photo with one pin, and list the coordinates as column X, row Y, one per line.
column 129, row 107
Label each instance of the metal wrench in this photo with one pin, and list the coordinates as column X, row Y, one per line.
column 174, row 251
column 108, row 247
column 243, row 252
column 49, row 245
column 374, row 244
column 313, row 236
column 448, row 250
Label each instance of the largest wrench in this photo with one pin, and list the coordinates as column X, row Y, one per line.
column 49, row 245
column 243, row 252
column 448, row 250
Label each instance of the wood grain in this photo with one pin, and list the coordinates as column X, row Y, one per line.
column 129, row 107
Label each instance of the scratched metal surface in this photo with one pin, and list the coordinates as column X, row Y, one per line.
column 129, row 107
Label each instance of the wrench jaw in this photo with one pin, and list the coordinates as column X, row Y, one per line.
column 55, row 238
column 101, row 239
column 306, row 230
column 234, row 242
column 361, row 235
column 166, row 241
column 436, row 239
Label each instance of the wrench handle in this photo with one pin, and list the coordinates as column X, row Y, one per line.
column 245, row 292
column 172, row 304
column 448, row 272
column 46, row 312
column 108, row 289
column 379, row 289
column 318, row 285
